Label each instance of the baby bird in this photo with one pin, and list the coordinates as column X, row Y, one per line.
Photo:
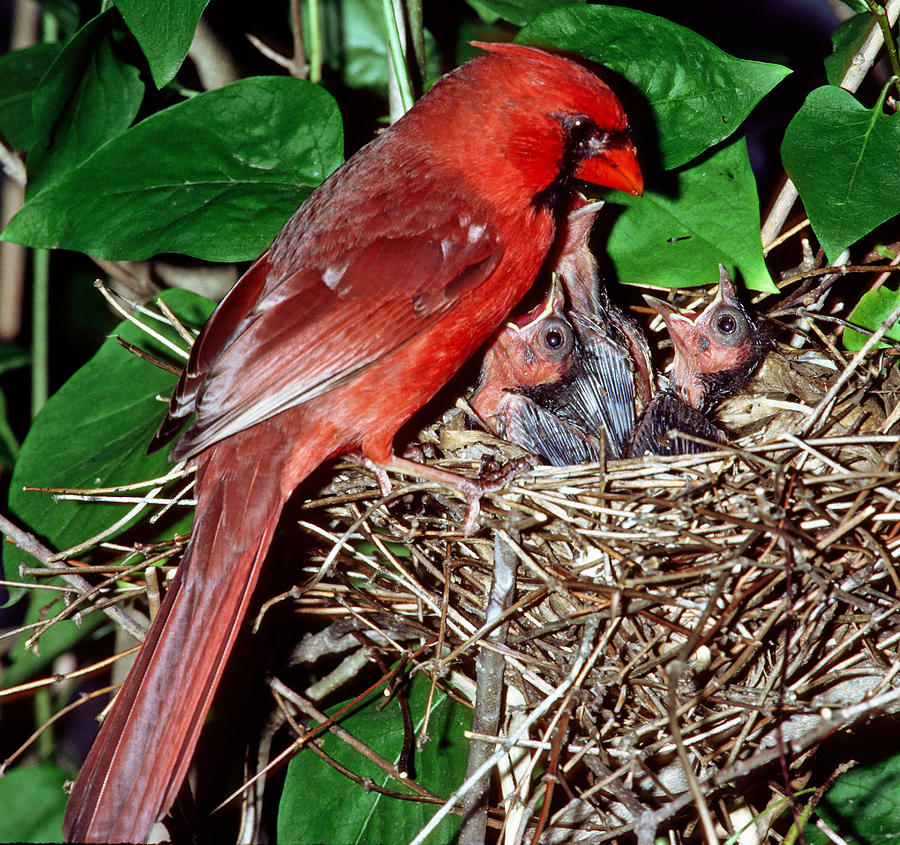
column 559, row 380
column 715, row 353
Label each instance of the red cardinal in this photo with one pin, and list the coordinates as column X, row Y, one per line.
column 715, row 353
column 381, row 285
column 556, row 381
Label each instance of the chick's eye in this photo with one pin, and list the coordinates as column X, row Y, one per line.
column 727, row 324
column 556, row 338
column 730, row 326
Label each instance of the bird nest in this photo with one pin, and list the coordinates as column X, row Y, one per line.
column 666, row 639
column 668, row 629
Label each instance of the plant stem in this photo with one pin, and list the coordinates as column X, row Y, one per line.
column 890, row 45
column 417, row 35
column 43, row 713
column 398, row 57
column 7, row 437
column 50, row 28
column 40, row 336
column 315, row 42
column 298, row 61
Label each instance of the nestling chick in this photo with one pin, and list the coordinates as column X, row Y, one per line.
column 715, row 353
column 557, row 380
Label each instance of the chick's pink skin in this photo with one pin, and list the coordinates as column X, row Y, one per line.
column 720, row 339
column 517, row 359
column 561, row 399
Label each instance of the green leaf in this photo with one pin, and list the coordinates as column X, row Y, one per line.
column 342, row 811
column 32, row 803
column 214, row 177
column 94, row 432
column 164, row 29
column 846, row 42
column 706, row 214
column 519, row 12
column 856, row 5
column 56, row 640
column 871, row 311
column 843, row 159
column 88, row 96
column 863, row 806
column 698, row 94
column 20, row 73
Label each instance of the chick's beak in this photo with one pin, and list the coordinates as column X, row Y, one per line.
column 680, row 327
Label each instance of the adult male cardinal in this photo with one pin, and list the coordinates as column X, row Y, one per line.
column 715, row 353
column 393, row 272
column 560, row 378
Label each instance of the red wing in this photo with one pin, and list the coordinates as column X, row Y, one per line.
column 215, row 334
column 313, row 329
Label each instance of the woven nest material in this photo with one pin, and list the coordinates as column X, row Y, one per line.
column 669, row 627
column 653, row 634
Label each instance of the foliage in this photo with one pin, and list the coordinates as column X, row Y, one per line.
column 111, row 400
column 842, row 157
column 39, row 817
column 342, row 815
column 862, row 808
column 126, row 161
column 873, row 308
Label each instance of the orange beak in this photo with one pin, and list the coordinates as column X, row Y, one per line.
column 615, row 167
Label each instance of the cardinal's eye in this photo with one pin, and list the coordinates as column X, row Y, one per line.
column 556, row 338
column 584, row 135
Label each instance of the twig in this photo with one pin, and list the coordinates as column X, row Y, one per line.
column 29, row 543
column 489, row 671
column 828, row 399
column 588, row 635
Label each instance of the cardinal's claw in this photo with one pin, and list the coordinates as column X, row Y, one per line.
column 381, row 477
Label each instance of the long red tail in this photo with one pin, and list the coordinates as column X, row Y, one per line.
column 139, row 761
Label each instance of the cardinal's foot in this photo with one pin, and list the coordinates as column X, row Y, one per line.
column 491, row 479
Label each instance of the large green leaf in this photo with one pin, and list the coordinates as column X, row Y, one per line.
column 697, row 93
column 863, row 807
column 870, row 312
column 843, row 159
column 214, row 177
column 519, row 12
column 32, row 802
column 706, row 214
column 343, row 811
column 88, row 96
column 94, row 432
column 164, row 29
column 20, row 73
